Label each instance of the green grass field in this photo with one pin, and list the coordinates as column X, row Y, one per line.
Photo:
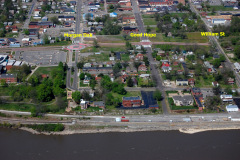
column 73, row 56
column 149, row 21
column 99, row 58
column 197, row 37
column 125, row 57
column 44, row 70
column 192, row 37
column 222, row 8
column 147, row 16
column 17, row 107
column 10, row 35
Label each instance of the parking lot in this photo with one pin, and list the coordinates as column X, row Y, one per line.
column 215, row 2
column 43, row 57
column 148, row 99
column 207, row 93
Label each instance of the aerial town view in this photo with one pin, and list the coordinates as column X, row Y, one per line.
column 148, row 75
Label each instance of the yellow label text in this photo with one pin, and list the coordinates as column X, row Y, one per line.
column 78, row 35
column 212, row 34
column 142, row 35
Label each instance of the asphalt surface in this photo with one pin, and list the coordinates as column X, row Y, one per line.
column 74, row 64
column 210, row 117
column 154, row 71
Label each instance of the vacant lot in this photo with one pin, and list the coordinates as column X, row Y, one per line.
column 149, row 21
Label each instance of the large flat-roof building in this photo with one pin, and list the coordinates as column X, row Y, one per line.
column 131, row 101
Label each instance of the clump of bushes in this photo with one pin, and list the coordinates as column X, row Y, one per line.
column 47, row 127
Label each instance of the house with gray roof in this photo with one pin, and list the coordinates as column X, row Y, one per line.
column 183, row 100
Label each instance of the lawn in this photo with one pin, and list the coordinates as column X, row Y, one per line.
column 125, row 57
column 192, row 37
column 196, row 37
column 73, row 56
column 147, row 16
column 44, row 70
column 221, row 8
column 204, row 82
column 83, row 85
column 71, row 81
column 10, row 35
column 17, row 107
column 158, row 38
column 174, row 107
column 149, row 21
column 99, row 58
column 4, row 91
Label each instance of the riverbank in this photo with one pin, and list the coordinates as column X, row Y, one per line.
column 187, row 128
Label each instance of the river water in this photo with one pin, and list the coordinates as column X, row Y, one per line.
column 161, row 145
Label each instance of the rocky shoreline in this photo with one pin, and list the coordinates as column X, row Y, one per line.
column 183, row 128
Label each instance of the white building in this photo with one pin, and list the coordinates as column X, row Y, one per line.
column 232, row 108
column 237, row 67
column 226, row 98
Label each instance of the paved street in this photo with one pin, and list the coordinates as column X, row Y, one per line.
column 210, row 117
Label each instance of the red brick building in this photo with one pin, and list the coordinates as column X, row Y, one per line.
column 131, row 101
column 10, row 78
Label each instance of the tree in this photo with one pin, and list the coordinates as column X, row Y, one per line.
column 157, row 95
column 44, row 90
column 86, row 96
column 76, row 96
column 228, row 90
column 216, row 90
column 136, row 64
column 237, row 52
column 145, row 60
column 55, row 20
column 212, row 102
column 72, row 69
column 92, row 83
column 116, row 69
column 213, row 11
column 68, row 4
column 128, row 45
column 82, row 76
column 80, row 65
column 26, row 32
column 34, row 80
column 129, row 82
column 95, row 43
column 148, row 29
column 45, row 39
column 3, row 83
column 216, row 63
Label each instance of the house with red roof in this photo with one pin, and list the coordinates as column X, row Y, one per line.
column 142, row 67
column 139, row 56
